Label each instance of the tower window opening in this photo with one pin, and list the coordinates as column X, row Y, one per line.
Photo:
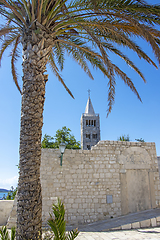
column 88, row 136
column 94, row 136
column 86, row 122
column 88, row 147
column 89, row 122
column 94, row 122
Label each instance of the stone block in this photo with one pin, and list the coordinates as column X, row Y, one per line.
column 145, row 223
column 115, row 228
column 135, row 225
column 158, row 219
column 153, row 222
column 126, row 226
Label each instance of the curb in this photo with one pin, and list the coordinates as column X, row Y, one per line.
column 152, row 222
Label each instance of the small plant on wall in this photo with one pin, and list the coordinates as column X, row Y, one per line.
column 4, row 234
column 58, row 224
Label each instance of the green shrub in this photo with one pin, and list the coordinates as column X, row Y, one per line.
column 4, row 234
column 58, row 224
column 11, row 194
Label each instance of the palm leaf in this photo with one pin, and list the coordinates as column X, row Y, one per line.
column 59, row 52
column 4, row 233
column 13, row 60
column 88, row 30
column 58, row 223
column 72, row 234
column 27, row 10
column 5, row 30
column 13, row 8
column 13, row 233
column 56, row 72
column 6, row 43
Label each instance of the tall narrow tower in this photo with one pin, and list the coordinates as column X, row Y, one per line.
column 90, row 127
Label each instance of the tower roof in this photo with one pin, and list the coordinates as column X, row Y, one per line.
column 89, row 108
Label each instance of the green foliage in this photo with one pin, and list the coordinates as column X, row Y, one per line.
column 90, row 31
column 124, row 138
column 62, row 135
column 48, row 142
column 11, row 194
column 4, row 234
column 139, row 140
column 58, row 224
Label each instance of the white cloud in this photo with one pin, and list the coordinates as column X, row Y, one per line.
column 7, row 183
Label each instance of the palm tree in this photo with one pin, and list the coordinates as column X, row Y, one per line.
column 88, row 30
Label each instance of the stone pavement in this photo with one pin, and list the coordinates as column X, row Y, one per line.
column 135, row 223
column 135, row 234
column 147, row 218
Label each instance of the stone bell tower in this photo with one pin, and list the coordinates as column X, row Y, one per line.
column 90, row 126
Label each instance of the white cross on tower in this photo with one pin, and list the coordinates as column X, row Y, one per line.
column 89, row 93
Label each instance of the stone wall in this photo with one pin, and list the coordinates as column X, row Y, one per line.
column 5, row 209
column 111, row 179
column 158, row 159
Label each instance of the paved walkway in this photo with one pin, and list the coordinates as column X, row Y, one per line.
column 142, row 219
column 138, row 234
column 100, row 230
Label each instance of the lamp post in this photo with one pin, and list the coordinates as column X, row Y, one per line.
column 62, row 147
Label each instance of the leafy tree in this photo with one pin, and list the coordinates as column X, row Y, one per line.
column 62, row 135
column 124, row 138
column 48, row 142
column 11, row 194
column 87, row 30
column 140, row 140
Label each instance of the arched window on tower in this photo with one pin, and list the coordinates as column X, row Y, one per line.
column 88, row 136
column 94, row 136
column 86, row 122
column 95, row 123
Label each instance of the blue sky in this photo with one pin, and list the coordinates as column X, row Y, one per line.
column 129, row 115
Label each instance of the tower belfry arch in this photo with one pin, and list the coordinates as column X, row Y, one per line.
column 90, row 126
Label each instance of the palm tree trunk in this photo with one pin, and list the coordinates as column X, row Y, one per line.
column 29, row 204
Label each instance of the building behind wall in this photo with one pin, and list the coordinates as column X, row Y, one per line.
column 90, row 127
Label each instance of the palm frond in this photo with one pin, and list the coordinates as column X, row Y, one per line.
column 56, row 72
column 5, row 30
column 57, row 223
column 13, row 60
column 13, row 233
column 13, row 8
column 111, row 93
column 78, row 57
column 59, row 52
column 72, row 234
column 6, row 43
column 88, row 30
column 127, row 81
column 4, row 233
column 27, row 10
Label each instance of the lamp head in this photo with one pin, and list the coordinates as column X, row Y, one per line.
column 62, row 147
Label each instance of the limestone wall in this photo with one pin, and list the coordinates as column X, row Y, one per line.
column 111, row 179
column 5, row 209
column 158, row 159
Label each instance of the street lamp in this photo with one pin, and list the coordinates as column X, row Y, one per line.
column 62, row 147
